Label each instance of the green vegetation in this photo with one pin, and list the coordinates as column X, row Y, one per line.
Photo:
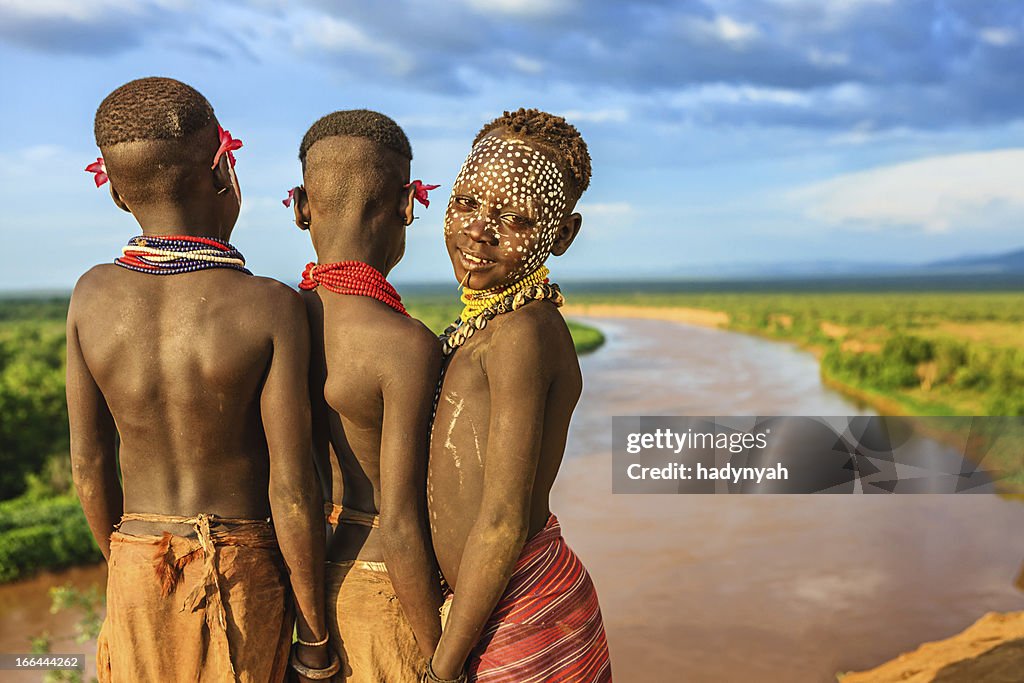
column 585, row 337
column 43, row 533
column 438, row 311
column 33, row 414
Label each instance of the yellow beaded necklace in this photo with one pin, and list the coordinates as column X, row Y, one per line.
column 475, row 301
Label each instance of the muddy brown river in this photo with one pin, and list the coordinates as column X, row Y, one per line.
column 734, row 588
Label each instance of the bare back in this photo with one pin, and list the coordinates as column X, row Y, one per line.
column 181, row 361
column 371, row 362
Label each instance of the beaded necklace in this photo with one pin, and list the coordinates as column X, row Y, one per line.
column 476, row 301
column 481, row 306
column 352, row 277
column 175, row 254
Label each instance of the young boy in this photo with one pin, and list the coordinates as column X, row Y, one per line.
column 374, row 374
column 199, row 370
column 524, row 608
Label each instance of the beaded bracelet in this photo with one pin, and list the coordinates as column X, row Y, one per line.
column 322, row 641
column 316, row 674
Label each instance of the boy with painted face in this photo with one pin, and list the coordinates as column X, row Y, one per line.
column 187, row 376
column 374, row 374
column 523, row 606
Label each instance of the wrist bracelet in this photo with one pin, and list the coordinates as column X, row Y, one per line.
column 434, row 678
column 315, row 674
column 322, row 641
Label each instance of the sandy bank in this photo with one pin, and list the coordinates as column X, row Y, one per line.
column 692, row 316
column 991, row 650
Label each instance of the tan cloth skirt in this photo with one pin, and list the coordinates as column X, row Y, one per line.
column 368, row 628
column 176, row 612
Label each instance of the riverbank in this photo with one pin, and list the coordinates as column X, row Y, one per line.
column 883, row 404
column 852, row 356
column 990, row 650
column 931, row 352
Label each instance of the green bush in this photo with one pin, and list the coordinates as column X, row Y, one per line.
column 949, row 357
column 43, row 533
column 33, row 412
column 902, row 349
column 1011, row 403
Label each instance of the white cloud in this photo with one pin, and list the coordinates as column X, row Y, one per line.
column 605, row 220
column 834, row 7
column 43, row 160
column 520, row 7
column 934, row 194
column 732, row 31
column 527, row 65
column 615, row 115
column 826, row 58
column 998, row 36
column 727, row 93
column 322, row 31
column 81, row 11
column 723, row 28
column 59, row 9
column 335, row 34
column 606, row 208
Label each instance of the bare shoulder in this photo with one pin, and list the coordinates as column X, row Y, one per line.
column 417, row 349
column 93, row 288
column 534, row 336
column 537, row 327
column 97, row 277
column 279, row 304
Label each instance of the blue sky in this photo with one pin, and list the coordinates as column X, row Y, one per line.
column 723, row 132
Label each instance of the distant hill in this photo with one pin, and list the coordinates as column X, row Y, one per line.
column 1009, row 262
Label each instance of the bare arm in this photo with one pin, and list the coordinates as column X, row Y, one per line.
column 318, row 405
column 93, row 451
column 520, row 374
column 408, row 399
column 295, row 500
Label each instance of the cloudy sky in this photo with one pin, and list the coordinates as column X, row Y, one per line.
column 723, row 132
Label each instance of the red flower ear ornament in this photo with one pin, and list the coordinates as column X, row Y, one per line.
column 227, row 146
column 420, row 191
column 100, row 169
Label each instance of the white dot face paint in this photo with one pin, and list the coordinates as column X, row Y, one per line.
column 507, row 205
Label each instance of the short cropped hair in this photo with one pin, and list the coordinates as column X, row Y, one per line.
column 151, row 109
column 553, row 133
column 370, row 169
column 358, row 123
